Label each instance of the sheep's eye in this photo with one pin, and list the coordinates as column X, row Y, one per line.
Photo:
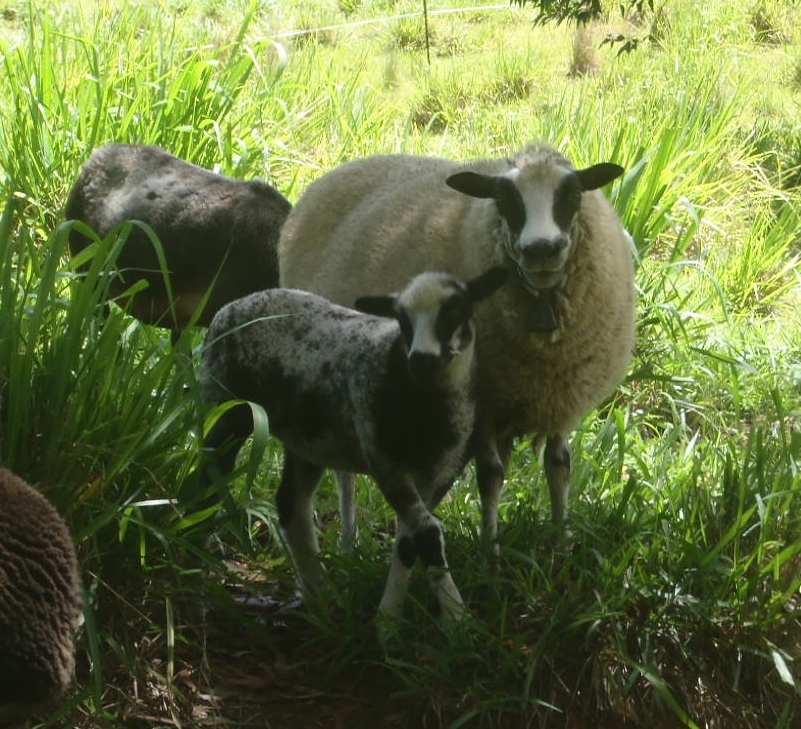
column 510, row 205
column 566, row 202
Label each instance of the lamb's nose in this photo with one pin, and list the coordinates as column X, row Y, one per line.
column 422, row 366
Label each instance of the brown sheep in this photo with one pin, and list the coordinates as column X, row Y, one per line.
column 40, row 601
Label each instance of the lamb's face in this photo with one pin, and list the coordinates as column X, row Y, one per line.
column 538, row 203
column 435, row 314
column 436, row 321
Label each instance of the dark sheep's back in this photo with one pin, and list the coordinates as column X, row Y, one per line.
column 213, row 229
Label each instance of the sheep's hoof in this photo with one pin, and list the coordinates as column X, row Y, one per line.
column 452, row 616
column 387, row 625
column 563, row 538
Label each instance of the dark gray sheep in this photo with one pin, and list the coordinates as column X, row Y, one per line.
column 213, row 230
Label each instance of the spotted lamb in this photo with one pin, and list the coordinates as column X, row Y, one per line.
column 389, row 393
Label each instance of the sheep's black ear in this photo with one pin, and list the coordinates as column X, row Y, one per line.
column 598, row 175
column 501, row 189
column 473, row 184
column 377, row 305
column 487, row 283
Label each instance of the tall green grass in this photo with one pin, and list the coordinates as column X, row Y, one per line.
column 676, row 603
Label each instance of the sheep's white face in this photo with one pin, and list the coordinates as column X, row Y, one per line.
column 547, row 199
column 435, row 314
column 538, row 203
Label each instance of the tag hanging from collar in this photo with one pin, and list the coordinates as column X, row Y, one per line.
column 542, row 314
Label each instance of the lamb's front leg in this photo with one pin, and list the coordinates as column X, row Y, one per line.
column 418, row 535
column 400, row 568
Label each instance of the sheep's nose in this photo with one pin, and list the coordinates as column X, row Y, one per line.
column 423, row 366
column 543, row 252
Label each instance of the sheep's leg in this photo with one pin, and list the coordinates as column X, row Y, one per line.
column 347, row 508
column 294, row 500
column 489, row 475
column 418, row 535
column 556, row 460
column 224, row 441
column 218, row 457
column 400, row 568
column 492, row 462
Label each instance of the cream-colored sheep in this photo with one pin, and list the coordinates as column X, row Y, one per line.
column 40, row 601
column 552, row 345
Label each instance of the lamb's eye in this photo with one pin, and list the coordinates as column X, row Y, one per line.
column 452, row 315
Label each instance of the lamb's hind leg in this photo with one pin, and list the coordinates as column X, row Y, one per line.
column 218, row 458
column 294, row 500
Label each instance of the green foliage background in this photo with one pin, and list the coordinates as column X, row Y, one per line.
column 677, row 604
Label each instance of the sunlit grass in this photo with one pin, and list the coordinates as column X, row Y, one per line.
column 677, row 599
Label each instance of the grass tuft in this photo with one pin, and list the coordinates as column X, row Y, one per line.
column 675, row 603
column 766, row 25
column 584, row 60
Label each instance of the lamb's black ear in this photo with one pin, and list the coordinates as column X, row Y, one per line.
column 487, row 283
column 473, row 184
column 377, row 305
column 598, row 175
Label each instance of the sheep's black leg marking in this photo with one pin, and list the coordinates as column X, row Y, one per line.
column 418, row 535
column 557, row 472
column 430, row 546
column 294, row 502
column 426, row 543
column 489, row 475
column 406, row 551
